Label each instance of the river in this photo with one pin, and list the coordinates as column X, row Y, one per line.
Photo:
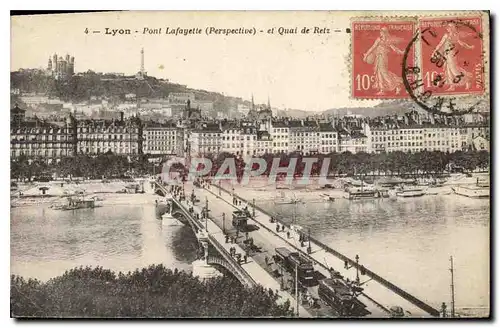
column 45, row 242
column 407, row 241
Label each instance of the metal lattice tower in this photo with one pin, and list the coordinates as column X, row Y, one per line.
column 142, row 61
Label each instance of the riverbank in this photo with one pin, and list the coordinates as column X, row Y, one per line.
column 107, row 193
column 105, row 199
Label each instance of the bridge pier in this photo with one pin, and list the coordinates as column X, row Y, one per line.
column 204, row 271
column 201, row 268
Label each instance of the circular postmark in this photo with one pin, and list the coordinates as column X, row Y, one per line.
column 446, row 72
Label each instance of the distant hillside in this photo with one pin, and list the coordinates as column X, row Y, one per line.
column 296, row 113
column 399, row 107
column 80, row 88
column 386, row 108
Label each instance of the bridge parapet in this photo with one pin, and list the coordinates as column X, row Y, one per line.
column 382, row 281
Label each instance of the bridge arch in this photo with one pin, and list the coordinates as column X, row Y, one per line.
column 179, row 215
column 223, row 259
column 160, row 192
column 216, row 262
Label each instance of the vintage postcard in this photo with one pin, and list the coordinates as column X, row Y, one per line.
column 266, row 164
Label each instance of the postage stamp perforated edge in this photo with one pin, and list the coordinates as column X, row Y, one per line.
column 416, row 17
column 485, row 32
column 350, row 56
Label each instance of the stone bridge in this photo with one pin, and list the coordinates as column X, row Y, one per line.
column 214, row 253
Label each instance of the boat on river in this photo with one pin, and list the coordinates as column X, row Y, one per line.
column 355, row 193
column 473, row 191
column 406, row 192
column 76, row 203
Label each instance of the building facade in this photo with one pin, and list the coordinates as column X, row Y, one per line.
column 121, row 137
column 162, row 139
column 37, row 139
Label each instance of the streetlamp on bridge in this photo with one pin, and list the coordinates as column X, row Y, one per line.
column 297, row 288
column 206, row 214
column 253, row 201
column 357, row 268
column 309, row 249
column 224, row 223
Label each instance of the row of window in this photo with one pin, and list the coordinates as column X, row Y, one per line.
column 129, row 130
column 161, row 138
column 240, row 138
column 416, row 131
column 40, row 137
column 161, row 132
column 44, row 145
column 44, row 153
column 159, row 148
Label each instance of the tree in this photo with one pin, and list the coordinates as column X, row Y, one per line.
column 154, row 291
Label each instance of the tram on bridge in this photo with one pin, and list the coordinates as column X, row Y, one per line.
column 292, row 261
column 240, row 220
column 341, row 297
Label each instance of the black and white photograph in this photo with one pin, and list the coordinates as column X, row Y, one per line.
column 250, row 164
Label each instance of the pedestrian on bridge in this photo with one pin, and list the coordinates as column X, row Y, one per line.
column 245, row 258
column 227, row 238
column 288, row 234
column 277, row 227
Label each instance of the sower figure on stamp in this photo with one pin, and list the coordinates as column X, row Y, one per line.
column 378, row 55
column 454, row 75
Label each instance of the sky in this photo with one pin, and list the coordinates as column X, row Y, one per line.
column 309, row 72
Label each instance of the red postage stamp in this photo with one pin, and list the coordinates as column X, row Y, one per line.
column 452, row 55
column 377, row 58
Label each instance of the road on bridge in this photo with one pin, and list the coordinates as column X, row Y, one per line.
column 252, row 267
column 269, row 239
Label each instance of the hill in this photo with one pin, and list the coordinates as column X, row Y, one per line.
column 82, row 87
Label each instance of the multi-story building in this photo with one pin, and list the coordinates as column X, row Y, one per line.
column 205, row 139
column 248, row 139
column 328, row 137
column 354, row 141
column 280, row 134
column 239, row 138
column 230, row 135
column 412, row 133
column 38, row 139
column 121, row 137
column 162, row 139
column 305, row 137
column 264, row 144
